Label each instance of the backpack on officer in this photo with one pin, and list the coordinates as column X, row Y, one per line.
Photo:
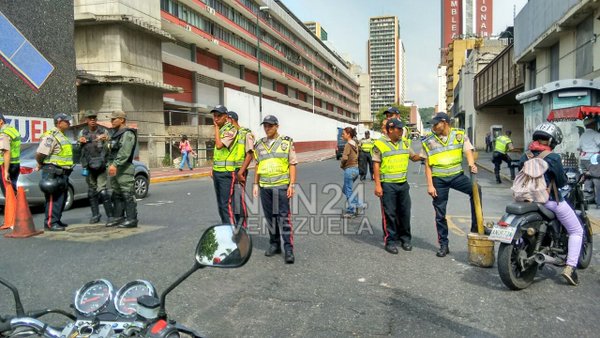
column 530, row 184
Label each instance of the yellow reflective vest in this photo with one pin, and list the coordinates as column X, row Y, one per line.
column 394, row 159
column 366, row 145
column 273, row 162
column 445, row 158
column 226, row 159
column 502, row 144
column 15, row 144
column 64, row 158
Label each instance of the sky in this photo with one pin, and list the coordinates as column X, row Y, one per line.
column 347, row 22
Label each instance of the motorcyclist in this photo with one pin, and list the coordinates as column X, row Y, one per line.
column 546, row 137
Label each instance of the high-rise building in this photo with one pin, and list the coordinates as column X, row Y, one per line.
column 386, row 62
column 463, row 19
column 317, row 30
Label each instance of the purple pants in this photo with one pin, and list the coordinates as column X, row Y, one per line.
column 566, row 216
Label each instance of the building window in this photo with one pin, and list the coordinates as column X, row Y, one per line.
column 584, row 62
column 532, row 74
column 554, row 62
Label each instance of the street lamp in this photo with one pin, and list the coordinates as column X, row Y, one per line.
column 260, row 9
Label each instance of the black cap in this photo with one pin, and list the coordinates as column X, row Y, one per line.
column 439, row 117
column 219, row 109
column 394, row 123
column 392, row 110
column 233, row 115
column 270, row 119
column 62, row 117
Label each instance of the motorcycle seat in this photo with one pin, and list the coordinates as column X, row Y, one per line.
column 521, row 208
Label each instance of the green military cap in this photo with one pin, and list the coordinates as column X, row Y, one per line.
column 90, row 113
column 118, row 114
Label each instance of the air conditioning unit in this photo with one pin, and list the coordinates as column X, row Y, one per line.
column 188, row 28
column 210, row 10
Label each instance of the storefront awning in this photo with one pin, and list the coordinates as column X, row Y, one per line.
column 573, row 113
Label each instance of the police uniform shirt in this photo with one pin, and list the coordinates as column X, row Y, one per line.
column 467, row 145
column 292, row 159
column 228, row 137
column 249, row 141
column 376, row 153
column 48, row 145
column 4, row 142
column 127, row 142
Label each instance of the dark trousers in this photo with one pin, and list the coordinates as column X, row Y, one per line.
column 13, row 173
column 240, row 211
column 55, row 202
column 396, row 212
column 442, row 185
column 488, row 146
column 224, row 182
column 498, row 158
column 365, row 161
column 276, row 208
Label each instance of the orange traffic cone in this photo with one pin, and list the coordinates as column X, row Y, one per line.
column 24, row 226
column 10, row 207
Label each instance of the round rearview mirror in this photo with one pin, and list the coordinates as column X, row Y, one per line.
column 224, row 246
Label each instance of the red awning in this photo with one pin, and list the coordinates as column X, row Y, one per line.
column 573, row 113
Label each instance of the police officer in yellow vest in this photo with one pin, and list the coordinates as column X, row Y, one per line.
column 444, row 150
column 227, row 159
column 10, row 154
column 276, row 175
column 245, row 140
column 365, row 160
column 390, row 161
column 55, row 159
column 503, row 145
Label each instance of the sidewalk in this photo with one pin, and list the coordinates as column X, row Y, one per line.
column 484, row 161
column 173, row 174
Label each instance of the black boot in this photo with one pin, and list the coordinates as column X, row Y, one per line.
column 131, row 220
column 93, row 196
column 498, row 180
column 118, row 203
column 108, row 206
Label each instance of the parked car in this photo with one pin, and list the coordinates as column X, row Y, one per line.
column 78, row 189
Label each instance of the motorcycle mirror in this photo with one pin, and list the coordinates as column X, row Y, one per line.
column 224, row 246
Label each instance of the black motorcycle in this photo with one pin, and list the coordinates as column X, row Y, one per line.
column 135, row 310
column 531, row 236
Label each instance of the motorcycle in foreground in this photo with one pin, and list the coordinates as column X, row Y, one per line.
column 530, row 236
column 135, row 310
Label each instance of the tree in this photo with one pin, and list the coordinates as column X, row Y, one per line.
column 404, row 115
column 426, row 113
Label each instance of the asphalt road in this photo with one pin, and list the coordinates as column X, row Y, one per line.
column 343, row 282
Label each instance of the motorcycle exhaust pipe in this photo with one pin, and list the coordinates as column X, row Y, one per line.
column 541, row 258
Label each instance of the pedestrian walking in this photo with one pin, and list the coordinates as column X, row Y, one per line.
column 244, row 139
column 365, row 161
column 501, row 148
column 186, row 151
column 54, row 157
column 121, row 171
column 275, row 177
column 10, row 154
column 391, row 154
column 349, row 165
column 488, row 142
column 227, row 159
column 444, row 150
column 92, row 141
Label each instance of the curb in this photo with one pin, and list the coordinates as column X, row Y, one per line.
column 491, row 170
column 207, row 174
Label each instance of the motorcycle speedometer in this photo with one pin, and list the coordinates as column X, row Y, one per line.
column 93, row 297
column 126, row 297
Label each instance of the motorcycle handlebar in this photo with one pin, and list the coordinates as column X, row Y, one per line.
column 38, row 326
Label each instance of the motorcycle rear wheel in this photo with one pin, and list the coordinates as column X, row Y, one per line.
column 509, row 266
column 585, row 257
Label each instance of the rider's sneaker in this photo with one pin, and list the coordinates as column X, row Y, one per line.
column 570, row 275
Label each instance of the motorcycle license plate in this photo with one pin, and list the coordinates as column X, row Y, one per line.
column 504, row 234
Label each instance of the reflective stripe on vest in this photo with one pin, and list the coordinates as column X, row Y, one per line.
column 367, row 145
column 394, row 160
column 445, row 159
column 226, row 159
column 273, row 162
column 15, row 144
column 502, row 144
column 64, row 158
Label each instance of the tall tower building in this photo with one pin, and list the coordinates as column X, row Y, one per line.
column 463, row 19
column 386, row 62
